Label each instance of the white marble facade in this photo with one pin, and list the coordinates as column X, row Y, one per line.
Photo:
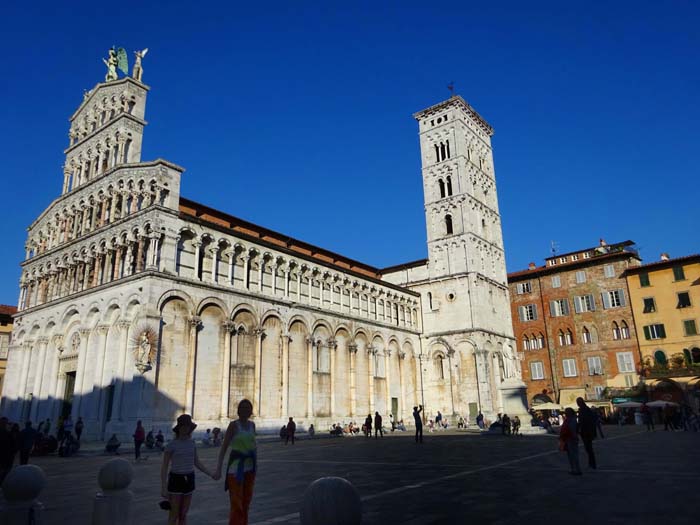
column 240, row 311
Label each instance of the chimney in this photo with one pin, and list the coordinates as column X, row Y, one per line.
column 531, row 266
column 665, row 256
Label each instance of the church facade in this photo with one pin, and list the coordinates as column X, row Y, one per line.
column 138, row 303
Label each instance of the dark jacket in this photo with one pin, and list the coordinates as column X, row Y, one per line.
column 586, row 423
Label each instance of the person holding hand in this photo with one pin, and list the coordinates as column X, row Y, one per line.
column 242, row 463
column 177, row 472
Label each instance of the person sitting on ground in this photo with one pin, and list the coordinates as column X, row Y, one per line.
column 150, row 440
column 445, row 423
column 113, row 444
column 206, row 440
column 160, row 441
column 431, row 425
column 351, row 428
column 283, row 433
column 460, row 422
column 401, row 426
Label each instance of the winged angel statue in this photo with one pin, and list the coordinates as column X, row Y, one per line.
column 116, row 60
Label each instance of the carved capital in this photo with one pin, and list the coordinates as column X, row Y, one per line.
column 195, row 321
column 352, row 348
column 42, row 340
column 123, row 325
column 259, row 331
column 310, row 340
column 371, row 350
column 387, row 352
column 102, row 329
column 286, row 337
column 402, row 354
column 228, row 326
column 57, row 341
column 84, row 332
column 332, row 344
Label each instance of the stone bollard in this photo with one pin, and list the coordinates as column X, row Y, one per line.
column 113, row 503
column 331, row 501
column 21, row 488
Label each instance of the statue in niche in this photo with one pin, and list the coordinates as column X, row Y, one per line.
column 137, row 72
column 144, row 348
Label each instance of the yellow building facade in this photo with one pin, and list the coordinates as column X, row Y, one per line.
column 6, row 313
column 665, row 299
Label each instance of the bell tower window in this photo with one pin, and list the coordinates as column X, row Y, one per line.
column 448, row 224
column 449, row 185
column 442, row 188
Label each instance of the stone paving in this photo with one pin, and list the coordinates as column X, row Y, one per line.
column 451, row 478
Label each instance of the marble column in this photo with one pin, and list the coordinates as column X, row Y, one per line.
column 197, row 247
column 227, row 328
column 309, row 377
column 80, row 373
column 43, row 343
column 98, row 375
column 120, row 376
column 285, row 375
column 352, row 348
column 332, row 346
column 195, row 323
column 387, row 378
column 371, row 352
column 259, row 335
column 402, row 386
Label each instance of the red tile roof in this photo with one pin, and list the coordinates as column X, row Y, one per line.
column 660, row 264
column 6, row 309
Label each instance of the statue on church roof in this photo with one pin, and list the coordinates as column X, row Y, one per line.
column 116, row 59
column 137, row 72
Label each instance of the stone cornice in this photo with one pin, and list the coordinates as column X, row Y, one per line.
column 462, row 104
column 122, row 81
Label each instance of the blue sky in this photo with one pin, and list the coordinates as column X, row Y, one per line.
column 297, row 115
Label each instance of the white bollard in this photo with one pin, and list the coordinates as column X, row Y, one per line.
column 21, row 489
column 331, row 501
column 113, row 503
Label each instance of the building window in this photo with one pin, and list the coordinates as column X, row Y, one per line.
column 563, row 259
column 654, row 331
column 644, row 280
column 678, row 273
column 683, row 300
column 566, row 338
column 540, row 341
column 609, row 270
column 660, row 358
column 522, row 288
column 624, row 330
column 586, row 255
column 615, row 331
column 559, row 307
column 625, row 362
column 537, row 370
column 527, row 312
column 448, row 224
column 630, row 381
column 689, row 327
column 449, row 183
column 526, row 343
column 430, row 300
column 440, row 367
column 4, row 345
column 613, row 298
column 598, row 392
column 556, row 281
column 584, row 303
column 587, row 337
column 574, row 257
column 441, row 184
column 569, row 367
column 580, row 276
column 649, row 305
column 595, row 366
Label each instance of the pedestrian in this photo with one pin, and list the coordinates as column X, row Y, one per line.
column 418, row 422
column 177, row 471
column 8, row 448
column 568, row 441
column 79, row 425
column 27, row 437
column 516, row 426
column 312, row 431
column 598, row 414
column 480, row 420
column 139, row 438
column 242, row 463
column 668, row 417
column 438, row 420
column 647, row 417
column 368, row 425
column 160, row 441
column 392, row 422
column 291, row 429
column 67, row 426
column 587, row 429
column 47, row 426
column 505, row 424
column 378, row 425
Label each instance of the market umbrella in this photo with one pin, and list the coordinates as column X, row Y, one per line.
column 628, row 404
column 546, row 406
column 661, row 404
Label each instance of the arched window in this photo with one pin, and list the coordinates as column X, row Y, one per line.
column 615, row 331
column 449, row 186
column 624, row 331
column 562, row 341
column 526, row 343
column 440, row 367
column 443, row 151
column 660, row 358
column 540, row 340
column 430, row 300
column 437, row 153
column 447, row 142
column 448, row 224
column 569, row 337
column 442, row 188
column 587, row 339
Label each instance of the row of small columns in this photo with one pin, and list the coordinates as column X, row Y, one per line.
column 93, row 270
column 85, row 169
column 89, row 218
column 399, row 314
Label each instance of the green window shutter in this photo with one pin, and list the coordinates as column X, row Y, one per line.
column 662, row 331
column 647, row 333
column 644, row 279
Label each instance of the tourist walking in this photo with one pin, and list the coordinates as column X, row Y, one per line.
column 378, row 425
column 480, row 421
column 368, row 426
column 438, row 420
column 79, row 425
column 568, row 441
column 27, row 437
column 291, row 429
column 647, row 417
column 587, row 429
column 418, row 422
column 139, row 439
column 177, row 472
column 516, row 426
column 505, row 424
column 242, row 463
column 668, row 417
column 67, row 426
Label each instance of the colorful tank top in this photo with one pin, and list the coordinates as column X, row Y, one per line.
column 243, row 456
